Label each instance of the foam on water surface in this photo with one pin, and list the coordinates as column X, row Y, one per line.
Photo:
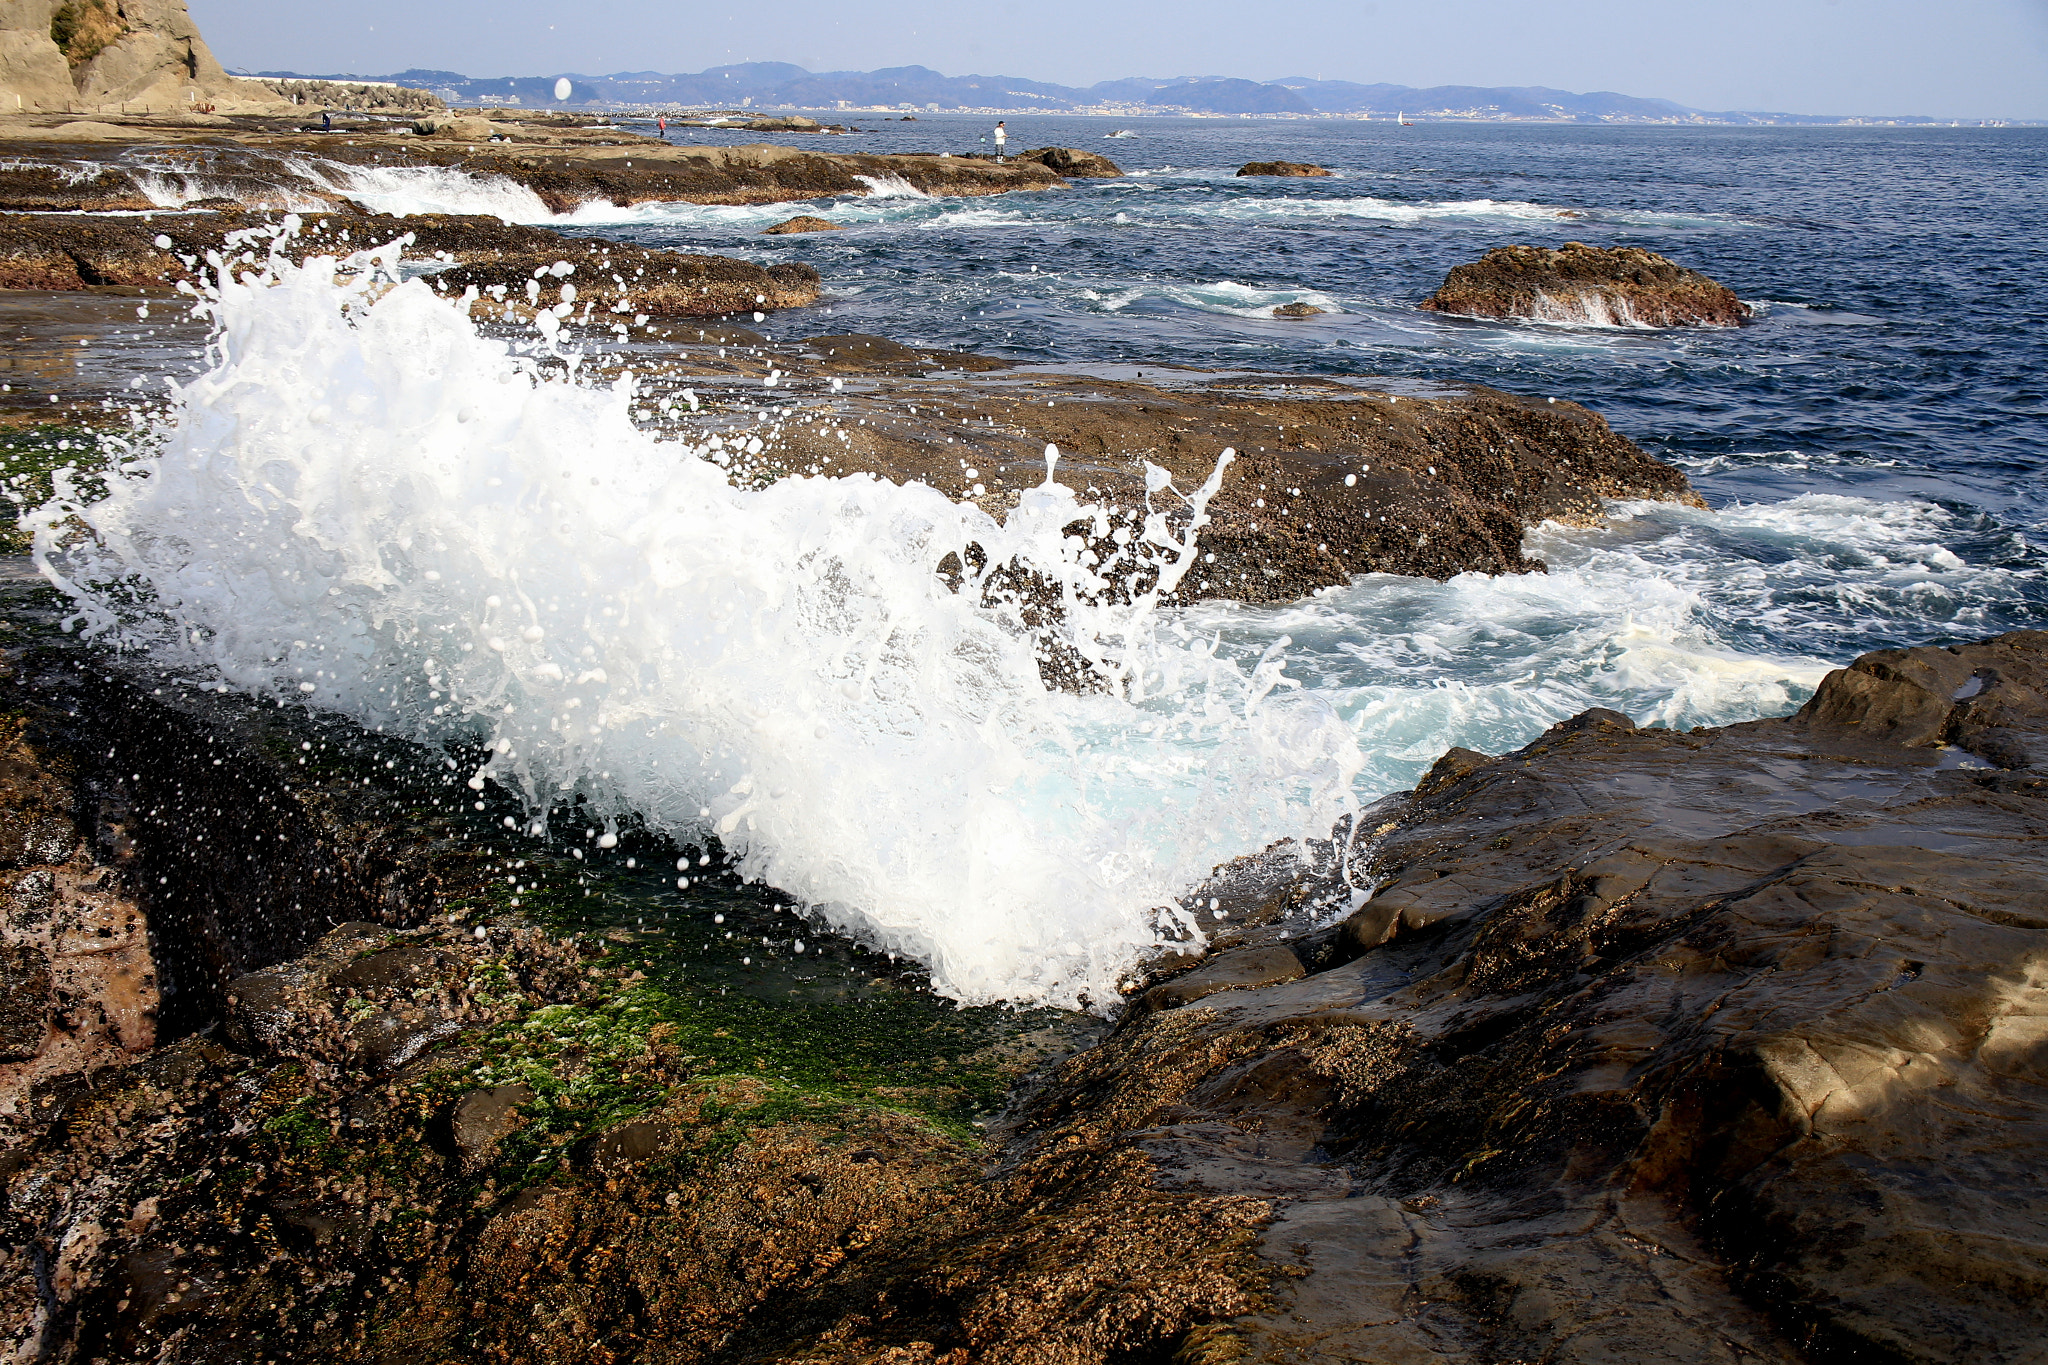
column 407, row 190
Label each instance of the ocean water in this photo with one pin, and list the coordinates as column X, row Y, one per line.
column 1872, row 443
column 366, row 505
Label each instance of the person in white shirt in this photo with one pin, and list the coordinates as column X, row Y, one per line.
column 1001, row 134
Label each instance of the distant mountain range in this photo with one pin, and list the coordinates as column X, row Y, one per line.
column 780, row 85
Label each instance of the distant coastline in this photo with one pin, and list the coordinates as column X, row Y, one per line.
column 766, row 86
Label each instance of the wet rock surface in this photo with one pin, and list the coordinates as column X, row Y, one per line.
column 397, row 1126
column 259, row 163
column 803, row 222
column 1652, row 1046
column 1073, row 163
column 1609, row 286
column 498, row 259
column 1331, row 479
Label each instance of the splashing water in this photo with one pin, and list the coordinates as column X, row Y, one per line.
column 367, row 505
column 406, row 190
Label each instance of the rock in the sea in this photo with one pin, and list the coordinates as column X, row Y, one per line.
column 1301, row 168
column 668, row 284
column 1072, row 162
column 1622, row 286
column 1297, row 310
column 803, row 222
column 1330, row 480
column 795, row 123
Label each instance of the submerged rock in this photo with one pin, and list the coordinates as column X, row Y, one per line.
column 1297, row 168
column 1622, row 286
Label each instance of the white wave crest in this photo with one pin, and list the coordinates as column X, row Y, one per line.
column 406, row 190
column 1219, row 296
column 890, row 187
column 368, row 506
column 1379, row 210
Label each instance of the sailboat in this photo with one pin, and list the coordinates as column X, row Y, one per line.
column 1405, row 121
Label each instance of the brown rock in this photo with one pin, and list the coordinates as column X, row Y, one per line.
column 1656, row 1046
column 484, row 1118
column 1613, row 286
column 803, row 222
column 623, row 279
column 1299, row 168
column 566, row 167
column 1329, row 481
column 1297, row 310
column 24, row 1001
column 1072, row 162
column 1236, row 970
column 858, row 353
column 128, row 55
column 455, row 128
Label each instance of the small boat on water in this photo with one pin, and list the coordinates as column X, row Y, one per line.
column 1405, row 121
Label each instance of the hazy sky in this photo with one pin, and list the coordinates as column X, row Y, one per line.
column 1947, row 58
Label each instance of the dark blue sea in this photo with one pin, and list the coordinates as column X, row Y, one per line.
column 1873, row 444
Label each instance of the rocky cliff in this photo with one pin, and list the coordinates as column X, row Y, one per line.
column 134, row 56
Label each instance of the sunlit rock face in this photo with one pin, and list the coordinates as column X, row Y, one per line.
column 136, row 56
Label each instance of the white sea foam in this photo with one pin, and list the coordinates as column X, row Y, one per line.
column 173, row 189
column 407, row 190
column 890, row 187
column 1586, row 308
column 366, row 505
column 1379, row 210
column 1219, row 296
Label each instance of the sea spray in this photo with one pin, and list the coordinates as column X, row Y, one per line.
column 367, row 505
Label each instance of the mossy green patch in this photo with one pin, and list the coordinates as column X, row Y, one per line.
column 301, row 1130
column 29, row 460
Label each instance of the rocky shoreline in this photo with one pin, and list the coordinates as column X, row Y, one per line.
column 260, row 163
column 1651, row 1045
column 1632, row 1045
